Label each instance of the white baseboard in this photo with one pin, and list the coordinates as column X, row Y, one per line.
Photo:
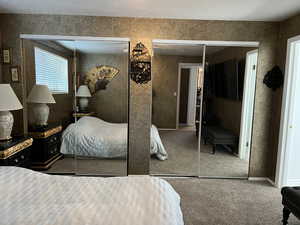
column 257, row 178
column 166, row 128
column 271, row 182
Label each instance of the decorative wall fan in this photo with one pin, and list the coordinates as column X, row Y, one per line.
column 98, row 77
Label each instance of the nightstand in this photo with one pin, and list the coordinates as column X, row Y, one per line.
column 46, row 146
column 82, row 114
column 16, row 152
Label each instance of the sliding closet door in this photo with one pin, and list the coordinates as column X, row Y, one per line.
column 229, row 87
column 177, row 73
column 49, row 72
column 100, row 130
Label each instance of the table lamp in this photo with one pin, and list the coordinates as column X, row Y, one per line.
column 40, row 95
column 84, row 93
column 8, row 102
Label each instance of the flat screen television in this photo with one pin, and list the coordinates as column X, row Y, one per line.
column 227, row 79
column 231, row 79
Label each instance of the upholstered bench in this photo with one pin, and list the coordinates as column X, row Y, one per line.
column 290, row 202
column 216, row 135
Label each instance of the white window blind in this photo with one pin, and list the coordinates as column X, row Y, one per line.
column 51, row 70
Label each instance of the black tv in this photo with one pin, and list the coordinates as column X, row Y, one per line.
column 231, row 79
column 226, row 79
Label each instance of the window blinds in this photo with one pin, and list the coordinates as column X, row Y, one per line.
column 51, row 70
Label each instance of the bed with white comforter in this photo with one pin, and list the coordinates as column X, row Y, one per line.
column 28, row 197
column 91, row 136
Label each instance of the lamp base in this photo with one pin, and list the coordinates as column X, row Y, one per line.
column 40, row 114
column 83, row 104
column 6, row 124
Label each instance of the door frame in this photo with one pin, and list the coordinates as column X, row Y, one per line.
column 187, row 66
column 248, row 105
column 288, row 102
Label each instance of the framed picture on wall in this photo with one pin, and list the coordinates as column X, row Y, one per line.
column 14, row 73
column 7, row 55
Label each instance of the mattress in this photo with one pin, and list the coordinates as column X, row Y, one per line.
column 94, row 137
column 29, row 197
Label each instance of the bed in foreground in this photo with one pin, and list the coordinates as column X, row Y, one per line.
column 29, row 197
column 94, row 137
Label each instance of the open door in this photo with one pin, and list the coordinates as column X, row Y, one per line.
column 248, row 105
column 288, row 167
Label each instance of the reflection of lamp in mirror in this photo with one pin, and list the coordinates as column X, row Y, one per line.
column 40, row 95
column 8, row 101
column 84, row 93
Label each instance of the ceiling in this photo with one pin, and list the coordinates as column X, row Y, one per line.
column 184, row 50
column 95, row 47
column 253, row 10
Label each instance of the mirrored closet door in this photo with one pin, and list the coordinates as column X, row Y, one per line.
column 48, row 71
column 176, row 105
column 77, row 94
column 202, row 107
column 228, row 103
column 100, row 131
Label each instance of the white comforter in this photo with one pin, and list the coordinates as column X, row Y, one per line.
column 28, row 197
column 91, row 136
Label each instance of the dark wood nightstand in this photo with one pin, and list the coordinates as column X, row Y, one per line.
column 16, row 152
column 82, row 114
column 46, row 146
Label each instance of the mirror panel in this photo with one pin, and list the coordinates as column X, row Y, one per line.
column 102, row 107
column 49, row 69
column 224, row 152
column 176, row 71
column 86, row 132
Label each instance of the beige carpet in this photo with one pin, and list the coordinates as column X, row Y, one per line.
column 89, row 166
column 229, row 202
column 181, row 146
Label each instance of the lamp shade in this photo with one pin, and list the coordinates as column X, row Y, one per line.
column 83, row 91
column 40, row 94
column 8, row 99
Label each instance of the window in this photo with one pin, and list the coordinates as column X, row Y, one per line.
column 51, row 70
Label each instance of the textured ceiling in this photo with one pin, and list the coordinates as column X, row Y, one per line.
column 251, row 10
column 96, row 47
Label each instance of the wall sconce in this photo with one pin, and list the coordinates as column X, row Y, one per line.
column 140, row 64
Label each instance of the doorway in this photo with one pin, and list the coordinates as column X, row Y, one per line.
column 287, row 170
column 188, row 74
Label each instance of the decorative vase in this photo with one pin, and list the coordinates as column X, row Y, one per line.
column 6, row 124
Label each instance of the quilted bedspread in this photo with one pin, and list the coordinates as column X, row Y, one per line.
column 33, row 198
column 91, row 136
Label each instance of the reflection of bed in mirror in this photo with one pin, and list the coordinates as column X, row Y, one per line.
column 94, row 137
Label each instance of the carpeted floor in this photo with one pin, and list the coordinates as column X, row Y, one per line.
column 90, row 166
column 181, row 146
column 183, row 160
column 229, row 202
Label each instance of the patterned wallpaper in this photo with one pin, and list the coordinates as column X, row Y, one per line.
column 164, row 85
column 139, row 29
